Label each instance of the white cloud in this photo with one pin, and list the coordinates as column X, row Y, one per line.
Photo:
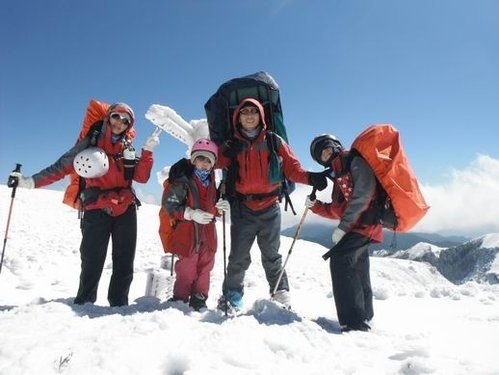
column 468, row 203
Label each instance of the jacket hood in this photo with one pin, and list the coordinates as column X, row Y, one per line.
column 245, row 103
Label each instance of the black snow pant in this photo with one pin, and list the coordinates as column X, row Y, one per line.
column 349, row 264
column 246, row 225
column 98, row 227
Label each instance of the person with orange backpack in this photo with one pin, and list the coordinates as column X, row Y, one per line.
column 187, row 228
column 105, row 161
column 354, row 192
column 374, row 188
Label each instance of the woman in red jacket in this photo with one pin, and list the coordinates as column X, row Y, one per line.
column 190, row 202
column 109, row 202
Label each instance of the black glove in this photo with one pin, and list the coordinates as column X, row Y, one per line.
column 318, row 180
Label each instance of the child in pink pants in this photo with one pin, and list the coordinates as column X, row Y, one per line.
column 190, row 202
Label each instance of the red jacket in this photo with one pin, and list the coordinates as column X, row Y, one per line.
column 252, row 158
column 352, row 195
column 118, row 195
column 185, row 190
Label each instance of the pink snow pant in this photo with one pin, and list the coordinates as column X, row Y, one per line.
column 193, row 274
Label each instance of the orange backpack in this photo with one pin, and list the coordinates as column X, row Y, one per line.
column 96, row 111
column 166, row 223
column 380, row 147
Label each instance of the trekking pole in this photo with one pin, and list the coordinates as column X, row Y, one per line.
column 171, row 266
column 298, row 228
column 12, row 183
column 225, row 263
column 224, row 290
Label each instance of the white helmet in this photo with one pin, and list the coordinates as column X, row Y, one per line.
column 91, row 163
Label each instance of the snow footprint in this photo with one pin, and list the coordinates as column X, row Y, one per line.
column 415, row 361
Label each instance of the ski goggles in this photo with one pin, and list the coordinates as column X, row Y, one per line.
column 123, row 117
column 249, row 111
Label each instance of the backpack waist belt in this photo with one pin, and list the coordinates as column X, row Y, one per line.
column 256, row 197
column 90, row 195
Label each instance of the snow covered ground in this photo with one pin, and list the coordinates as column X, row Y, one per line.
column 423, row 324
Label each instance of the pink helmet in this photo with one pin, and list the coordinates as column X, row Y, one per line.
column 204, row 147
column 204, row 144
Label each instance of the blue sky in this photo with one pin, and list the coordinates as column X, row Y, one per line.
column 428, row 67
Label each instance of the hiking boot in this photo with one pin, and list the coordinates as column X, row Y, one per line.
column 197, row 302
column 282, row 296
column 362, row 326
column 232, row 300
column 223, row 305
column 177, row 299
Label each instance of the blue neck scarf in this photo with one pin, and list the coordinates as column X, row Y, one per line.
column 115, row 138
column 203, row 175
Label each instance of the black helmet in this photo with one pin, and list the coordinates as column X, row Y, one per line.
column 320, row 143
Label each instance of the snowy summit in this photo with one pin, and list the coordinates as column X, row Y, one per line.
column 423, row 324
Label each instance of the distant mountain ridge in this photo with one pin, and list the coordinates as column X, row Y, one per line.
column 458, row 259
column 320, row 232
column 474, row 260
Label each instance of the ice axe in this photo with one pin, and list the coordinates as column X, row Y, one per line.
column 12, row 183
column 298, row 228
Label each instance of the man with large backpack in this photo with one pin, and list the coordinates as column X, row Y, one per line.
column 254, row 198
column 374, row 188
column 107, row 197
column 353, row 200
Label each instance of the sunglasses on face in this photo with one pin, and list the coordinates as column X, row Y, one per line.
column 249, row 111
column 123, row 117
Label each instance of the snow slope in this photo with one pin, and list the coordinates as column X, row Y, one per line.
column 422, row 324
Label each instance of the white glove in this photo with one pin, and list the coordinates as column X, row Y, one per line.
column 337, row 235
column 309, row 203
column 199, row 216
column 151, row 142
column 223, row 205
column 22, row 181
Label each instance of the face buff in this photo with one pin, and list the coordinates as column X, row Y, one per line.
column 203, row 175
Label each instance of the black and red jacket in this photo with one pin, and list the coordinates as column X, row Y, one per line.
column 185, row 190
column 353, row 194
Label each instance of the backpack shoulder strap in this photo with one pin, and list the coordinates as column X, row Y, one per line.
column 274, row 141
column 94, row 132
column 347, row 159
